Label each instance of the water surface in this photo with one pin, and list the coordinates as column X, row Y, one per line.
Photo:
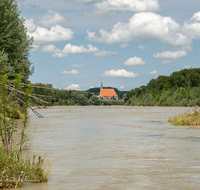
column 113, row 148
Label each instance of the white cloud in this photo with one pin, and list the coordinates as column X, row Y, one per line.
column 30, row 25
column 48, row 48
column 122, row 87
column 55, row 34
column 153, row 72
column 166, row 62
column 77, row 65
column 125, row 45
column 134, row 61
column 119, row 73
column 192, row 26
column 50, row 18
column 70, row 72
column 171, row 55
column 112, row 6
column 145, row 27
column 142, row 47
column 72, row 49
column 73, row 87
column 104, row 53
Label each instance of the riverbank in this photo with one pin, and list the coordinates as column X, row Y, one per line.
column 14, row 171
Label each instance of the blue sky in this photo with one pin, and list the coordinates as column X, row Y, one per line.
column 123, row 43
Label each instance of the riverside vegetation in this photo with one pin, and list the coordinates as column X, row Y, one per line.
column 15, row 91
column 13, row 169
column 57, row 97
column 181, row 88
column 191, row 118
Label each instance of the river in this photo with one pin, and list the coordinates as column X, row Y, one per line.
column 114, row 148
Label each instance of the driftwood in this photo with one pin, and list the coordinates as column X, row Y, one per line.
column 11, row 88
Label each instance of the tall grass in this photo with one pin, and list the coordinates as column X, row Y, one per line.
column 191, row 118
column 14, row 171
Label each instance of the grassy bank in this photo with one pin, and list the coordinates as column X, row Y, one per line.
column 191, row 118
column 15, row 171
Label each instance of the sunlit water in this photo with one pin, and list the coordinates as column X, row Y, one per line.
column 114, row 148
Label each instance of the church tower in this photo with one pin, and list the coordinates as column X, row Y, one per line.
column 101, row 87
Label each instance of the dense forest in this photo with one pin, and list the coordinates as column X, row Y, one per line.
column 181, row 88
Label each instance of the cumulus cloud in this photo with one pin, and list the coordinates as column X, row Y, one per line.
column 192, row 26
column 125, row 45
column 142, row 47
column 70, row 72
column 30, row 25
column 171, row 55
column 134, row 61
column 48, row 48
column 112, row 6
column 153, row 72
column 122, row 87
column 50, row 18
column 73, row 87
column 72, row 49
column 104, row 53
column 77, row 65
column 55, row 34
column 145, row 27
column 119, row 73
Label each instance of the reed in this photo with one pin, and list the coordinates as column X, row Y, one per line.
column 191, row 118
column 15, row 171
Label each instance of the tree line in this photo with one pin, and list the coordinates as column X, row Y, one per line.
column 57, row 97
column 181, row 88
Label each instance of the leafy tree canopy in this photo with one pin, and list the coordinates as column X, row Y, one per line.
column 186, row 78
column 15, row 44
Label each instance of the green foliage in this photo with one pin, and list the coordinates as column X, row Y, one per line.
column 181, row 88
column 15, row 44
column 95, row 100
column 13, row 169
column 79, row 98
column 58, row 97
column 11, row 164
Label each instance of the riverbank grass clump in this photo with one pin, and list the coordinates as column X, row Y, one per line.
column 15, row 171
column 191, row 118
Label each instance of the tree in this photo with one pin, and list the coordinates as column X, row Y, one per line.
column 79, row 98
column 95, row 100
column 15, row 44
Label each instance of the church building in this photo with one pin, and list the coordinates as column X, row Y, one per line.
column 107, row 93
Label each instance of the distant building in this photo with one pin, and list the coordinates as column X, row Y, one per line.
column 107, row 93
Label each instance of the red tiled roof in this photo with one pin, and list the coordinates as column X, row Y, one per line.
column 108, row 92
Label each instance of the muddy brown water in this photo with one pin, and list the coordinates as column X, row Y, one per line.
column 113, row 148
